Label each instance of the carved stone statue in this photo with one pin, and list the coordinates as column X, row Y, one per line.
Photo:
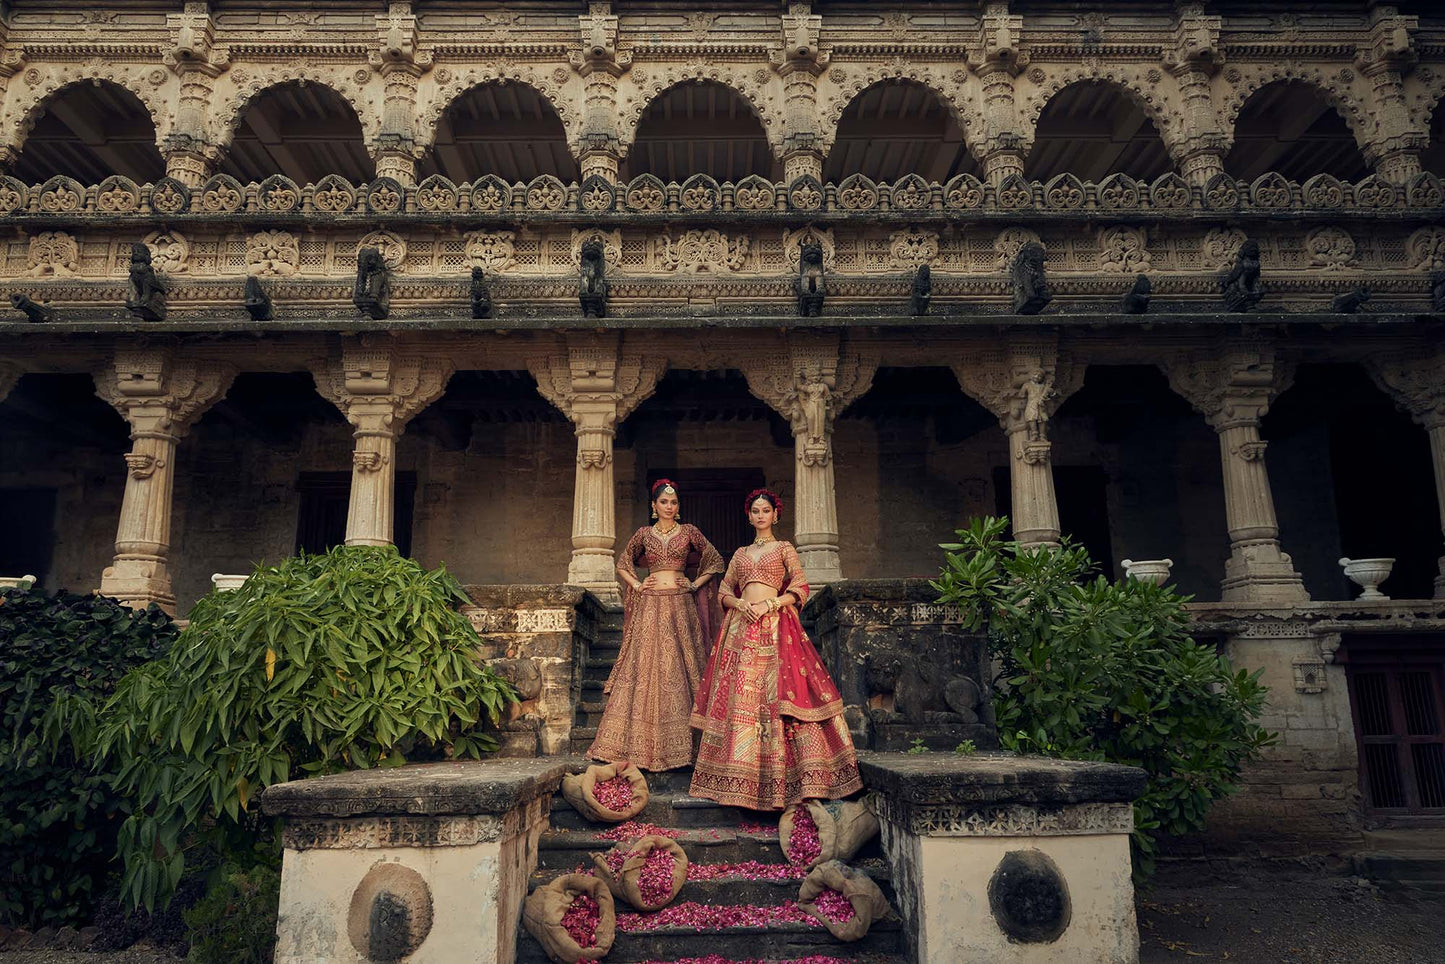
column 1136, row 299
column 1031, row 289
column 34, row 311
column 372, row 293
column 1035, row 391
column 147, row 295
column 592, row 290
column 922, row 292
column 1350, row 302
column 257, row 301
column 1241, row 285
column 813, row 398
column 1437, row 292
column 810, row 285
column 481, row 295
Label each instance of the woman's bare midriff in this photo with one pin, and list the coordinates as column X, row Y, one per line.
column 758, row 592
column 668, row 579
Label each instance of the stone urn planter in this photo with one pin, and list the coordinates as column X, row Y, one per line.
column 226, row 582
column 16, row 582
column 1153, row 571
column 1368, row 574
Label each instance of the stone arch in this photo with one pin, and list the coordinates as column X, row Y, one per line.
column 1099, row 106
column 1335, row 89
column 560, row 147
column 849, row 82
column 41, row 86
column 1326, row 90
column 453, row 84
column 652, row 83
column 837, row 107
column 249, row 89
column 1143, row 86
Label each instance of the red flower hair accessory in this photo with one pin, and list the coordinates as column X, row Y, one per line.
column 768, row 494
column 660, row 484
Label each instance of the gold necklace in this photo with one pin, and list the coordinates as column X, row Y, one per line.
column 664, row 532
column 761, row 541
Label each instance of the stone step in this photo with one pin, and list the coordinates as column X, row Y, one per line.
column 669, row 808
column 566, row 849
column 776, row 942
column 599, row 665
column 738, row 888
column 1418, row 872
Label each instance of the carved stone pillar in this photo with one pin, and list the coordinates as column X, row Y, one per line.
column 1193, row 59
column 190, row 155
column 378, row 390
column 809, row 382
column 1232, row 388
column 1394, row 146
column 1416, row 381
column 996, row 58
column 597, row 385
column 600, row 64
column 160, row 395
column 799, row 61
column 401, row 65
column 1023, row 385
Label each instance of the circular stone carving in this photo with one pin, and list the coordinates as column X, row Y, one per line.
column 1028, row 897
column 391, row 913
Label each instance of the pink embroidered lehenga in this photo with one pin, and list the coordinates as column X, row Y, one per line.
column 664, row 647
column 771, row 717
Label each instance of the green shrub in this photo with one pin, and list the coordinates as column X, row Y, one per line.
column 235, row 923
column 57, row 817
column 1101, row 670
column 352, row 659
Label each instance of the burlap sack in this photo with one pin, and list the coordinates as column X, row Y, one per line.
column 578, row 791
column 603, row 872
column 868, row 901
column 542, row 916
column 632, row 871
column 844, row 826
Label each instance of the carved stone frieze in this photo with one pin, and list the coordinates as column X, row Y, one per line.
column 273, row 253
column 53, row 253
column 962, row 820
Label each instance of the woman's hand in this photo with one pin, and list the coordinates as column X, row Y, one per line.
column 650, row 582
column 757, row 610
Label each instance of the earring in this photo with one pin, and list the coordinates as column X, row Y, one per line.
column 678, row 518
column 654, row 512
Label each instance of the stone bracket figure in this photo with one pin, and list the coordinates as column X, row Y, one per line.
column 1241, row 290
column 481, row 294
column 922, row 292
column 1437, row 292
column 34, row 311
column 1034, row 393
column 810, row 284
column 146, row 297
column 1030, row 287
column 1136, row 299
column 1350, row 302
column 373, row 284
column 592, row 288
column 256, row 300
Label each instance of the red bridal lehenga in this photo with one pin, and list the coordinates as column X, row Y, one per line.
column 664, row 647
column 771, row 718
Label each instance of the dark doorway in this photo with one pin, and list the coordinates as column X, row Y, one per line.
column 321, row 520
column 712, row 500
column 1081, row 493
column 1397, row 697
column 27, row 519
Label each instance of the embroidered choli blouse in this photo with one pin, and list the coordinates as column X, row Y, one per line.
column 684, row 546
column 778, row 568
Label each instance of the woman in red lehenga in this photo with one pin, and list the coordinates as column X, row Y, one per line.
column 771, row 718
column 664, row 641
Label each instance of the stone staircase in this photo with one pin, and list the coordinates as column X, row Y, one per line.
column 714, row 835
column 597, row 663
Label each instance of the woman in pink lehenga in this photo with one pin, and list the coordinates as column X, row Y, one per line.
column 664, row 643
column 771, row 718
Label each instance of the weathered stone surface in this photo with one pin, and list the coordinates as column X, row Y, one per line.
column 1029, row 898
column 934, row 778
column 524, row 674
column 485, row 786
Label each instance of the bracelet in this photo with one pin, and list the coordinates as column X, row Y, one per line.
column 773, row 605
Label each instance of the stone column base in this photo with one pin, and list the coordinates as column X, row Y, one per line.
column 1008, row 859
column 1261, row 573
column 426, row 862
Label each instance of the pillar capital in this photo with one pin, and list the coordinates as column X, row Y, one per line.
column 10, row 373
column 1416, row 382
column 380, row 389
column 159, row 392
column 1230, row 385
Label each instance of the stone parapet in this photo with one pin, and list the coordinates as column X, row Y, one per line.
column 906, row 666
column 428, row 861
column 999, row 857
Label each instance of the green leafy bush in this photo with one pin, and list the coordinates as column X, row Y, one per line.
column 235, row 923
column 1101, row 670
column 57, row 817
column 352, row 659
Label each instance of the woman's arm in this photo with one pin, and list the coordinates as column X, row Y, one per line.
column 627, row 560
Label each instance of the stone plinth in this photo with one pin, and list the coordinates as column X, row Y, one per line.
column 464, row 836
column 1004, row 858
column 548, row 626
column 906, row 666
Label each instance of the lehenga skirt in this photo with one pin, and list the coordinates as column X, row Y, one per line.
column 771, row 720
column 649, row 692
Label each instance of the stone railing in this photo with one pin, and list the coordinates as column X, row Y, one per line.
column 280, row 200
